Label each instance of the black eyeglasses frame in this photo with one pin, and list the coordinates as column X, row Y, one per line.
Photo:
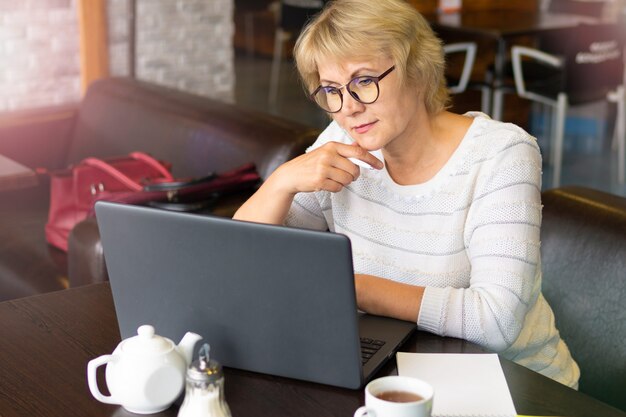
column 376, row 80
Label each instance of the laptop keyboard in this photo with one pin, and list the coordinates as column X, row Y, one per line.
column 369, row 347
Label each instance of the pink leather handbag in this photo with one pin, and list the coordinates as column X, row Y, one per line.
column 133, row 179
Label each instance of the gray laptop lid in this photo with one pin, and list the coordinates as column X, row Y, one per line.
column 269, row 299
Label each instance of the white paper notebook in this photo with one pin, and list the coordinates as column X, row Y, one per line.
column 466, row 385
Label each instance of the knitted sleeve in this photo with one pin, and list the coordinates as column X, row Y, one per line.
column 501, row 237
column 306, row 212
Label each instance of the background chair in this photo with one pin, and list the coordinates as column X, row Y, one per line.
column 583, row 251
column 591, row 69
column 551, row 42
column 458, row 85
column 469, row 49
column 291, row 18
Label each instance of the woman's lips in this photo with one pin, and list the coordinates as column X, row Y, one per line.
column 363, row 128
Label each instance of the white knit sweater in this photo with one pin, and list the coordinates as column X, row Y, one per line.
column 470, row 235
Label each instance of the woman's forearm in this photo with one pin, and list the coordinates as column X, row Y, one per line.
column 326, row 168
column 268, row 205
column 388, row 298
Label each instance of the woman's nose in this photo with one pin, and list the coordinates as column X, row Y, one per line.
column 351, row 105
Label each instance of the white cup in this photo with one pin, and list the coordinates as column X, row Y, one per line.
column 377, row 407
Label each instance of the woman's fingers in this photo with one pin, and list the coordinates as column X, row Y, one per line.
column 358, row 153
column 332, row 186
column 345, row 165
column 335, row 175
column 325, row 168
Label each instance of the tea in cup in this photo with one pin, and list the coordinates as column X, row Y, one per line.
column 397, row 396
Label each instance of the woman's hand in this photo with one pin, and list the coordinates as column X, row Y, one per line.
column 384, row 297
column 326, row 168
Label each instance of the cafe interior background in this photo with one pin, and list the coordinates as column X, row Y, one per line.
column 51, row 50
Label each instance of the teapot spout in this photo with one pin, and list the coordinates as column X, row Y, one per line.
column 186, row 345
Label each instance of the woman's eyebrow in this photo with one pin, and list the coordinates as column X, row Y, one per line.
column 355, row 73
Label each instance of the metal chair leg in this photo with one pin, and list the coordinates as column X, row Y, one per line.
column 485, row 100
column 553, row 125
column 620, row 133
column 498, row 103
column 486, row 92
column 561, row 110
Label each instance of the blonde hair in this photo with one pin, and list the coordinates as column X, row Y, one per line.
column 349, row 29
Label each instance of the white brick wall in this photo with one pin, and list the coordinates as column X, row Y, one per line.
column 185, row 44
column 39, row 61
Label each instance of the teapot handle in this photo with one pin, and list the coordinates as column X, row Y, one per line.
column 93, row 382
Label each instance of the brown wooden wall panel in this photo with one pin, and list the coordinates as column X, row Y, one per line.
column 94, row 56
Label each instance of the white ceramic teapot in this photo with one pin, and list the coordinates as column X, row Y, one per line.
column 146, row 373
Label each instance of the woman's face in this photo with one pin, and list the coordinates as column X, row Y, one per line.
column 390, row 119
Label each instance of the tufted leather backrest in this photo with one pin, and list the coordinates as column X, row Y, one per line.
column 583, row 253
column 196, row 134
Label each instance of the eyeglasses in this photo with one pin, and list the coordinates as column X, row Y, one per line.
column 363, row 89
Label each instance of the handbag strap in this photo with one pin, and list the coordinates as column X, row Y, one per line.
column 153, row 163
column 105, row 167
column 123, row 178
column 176, row 185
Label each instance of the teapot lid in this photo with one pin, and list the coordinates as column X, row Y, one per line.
column 146, row 342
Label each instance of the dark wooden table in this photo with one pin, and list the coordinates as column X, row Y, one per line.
column 497, row 24
column 47, row 340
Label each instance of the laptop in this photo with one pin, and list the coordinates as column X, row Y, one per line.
column 269, row 299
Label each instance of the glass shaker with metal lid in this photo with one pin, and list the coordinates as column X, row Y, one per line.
column 204, row 392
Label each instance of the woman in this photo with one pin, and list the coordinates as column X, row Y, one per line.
column 445, row 222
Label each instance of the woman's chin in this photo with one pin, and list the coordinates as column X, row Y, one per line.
column 367, row 143
column 370, row 146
